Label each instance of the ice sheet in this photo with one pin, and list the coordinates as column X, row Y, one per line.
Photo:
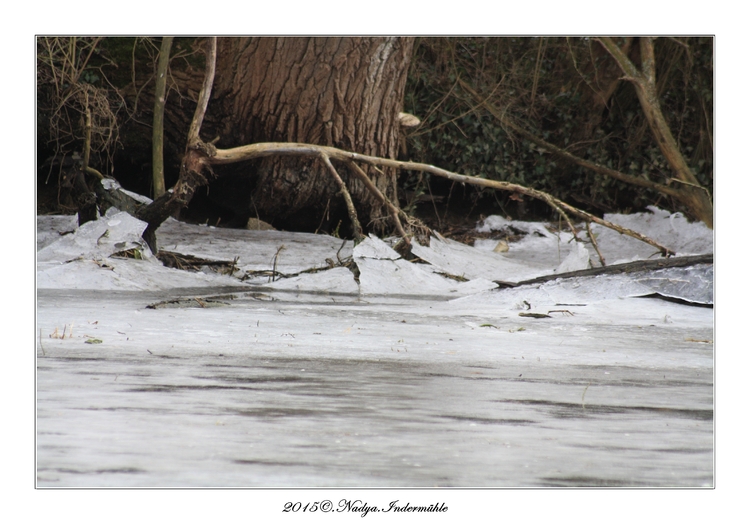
column 256, row 250
column 81, row 260
column 383, row 271
column 539, row 245
column 98, row 239
column 671, row 230
column 469, row 262
column 392, row 384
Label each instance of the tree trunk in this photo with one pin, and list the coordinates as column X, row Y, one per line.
column 337, row 91
column 695, row 197
column 157, row 141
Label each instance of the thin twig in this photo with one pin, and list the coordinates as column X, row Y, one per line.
column 690, row 184
column 537, row 67
column 384, row 199
column 593, row 243
column 358, row 236
column 275, row 262
column 87, row 138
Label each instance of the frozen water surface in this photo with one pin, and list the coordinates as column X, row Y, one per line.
column 401, row 377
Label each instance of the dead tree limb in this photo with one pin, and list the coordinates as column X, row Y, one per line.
column 395, row 211
column 202, row 156
column 358, row 236
column 698, row 201
column 628, row 267
column 261, row 150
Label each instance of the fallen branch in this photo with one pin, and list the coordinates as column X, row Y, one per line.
column 628, row 267
column 592, row 237
column 266, row 149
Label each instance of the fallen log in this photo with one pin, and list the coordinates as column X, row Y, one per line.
column 628, row 267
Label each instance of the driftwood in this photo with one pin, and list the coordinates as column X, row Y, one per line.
column 628, row 267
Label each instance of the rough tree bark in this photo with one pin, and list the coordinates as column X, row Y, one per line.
column 345, row 92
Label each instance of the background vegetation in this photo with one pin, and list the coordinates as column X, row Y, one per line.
column 566, row 91
column 550, row 87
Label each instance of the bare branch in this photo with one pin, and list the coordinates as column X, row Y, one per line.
column 347, row 197
column 603, row 170
column 261, row 150
column 385, row 200
column 621, row 58
column 592, row 237
column 205, row 95
column 644, row 81
column 648, row 61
